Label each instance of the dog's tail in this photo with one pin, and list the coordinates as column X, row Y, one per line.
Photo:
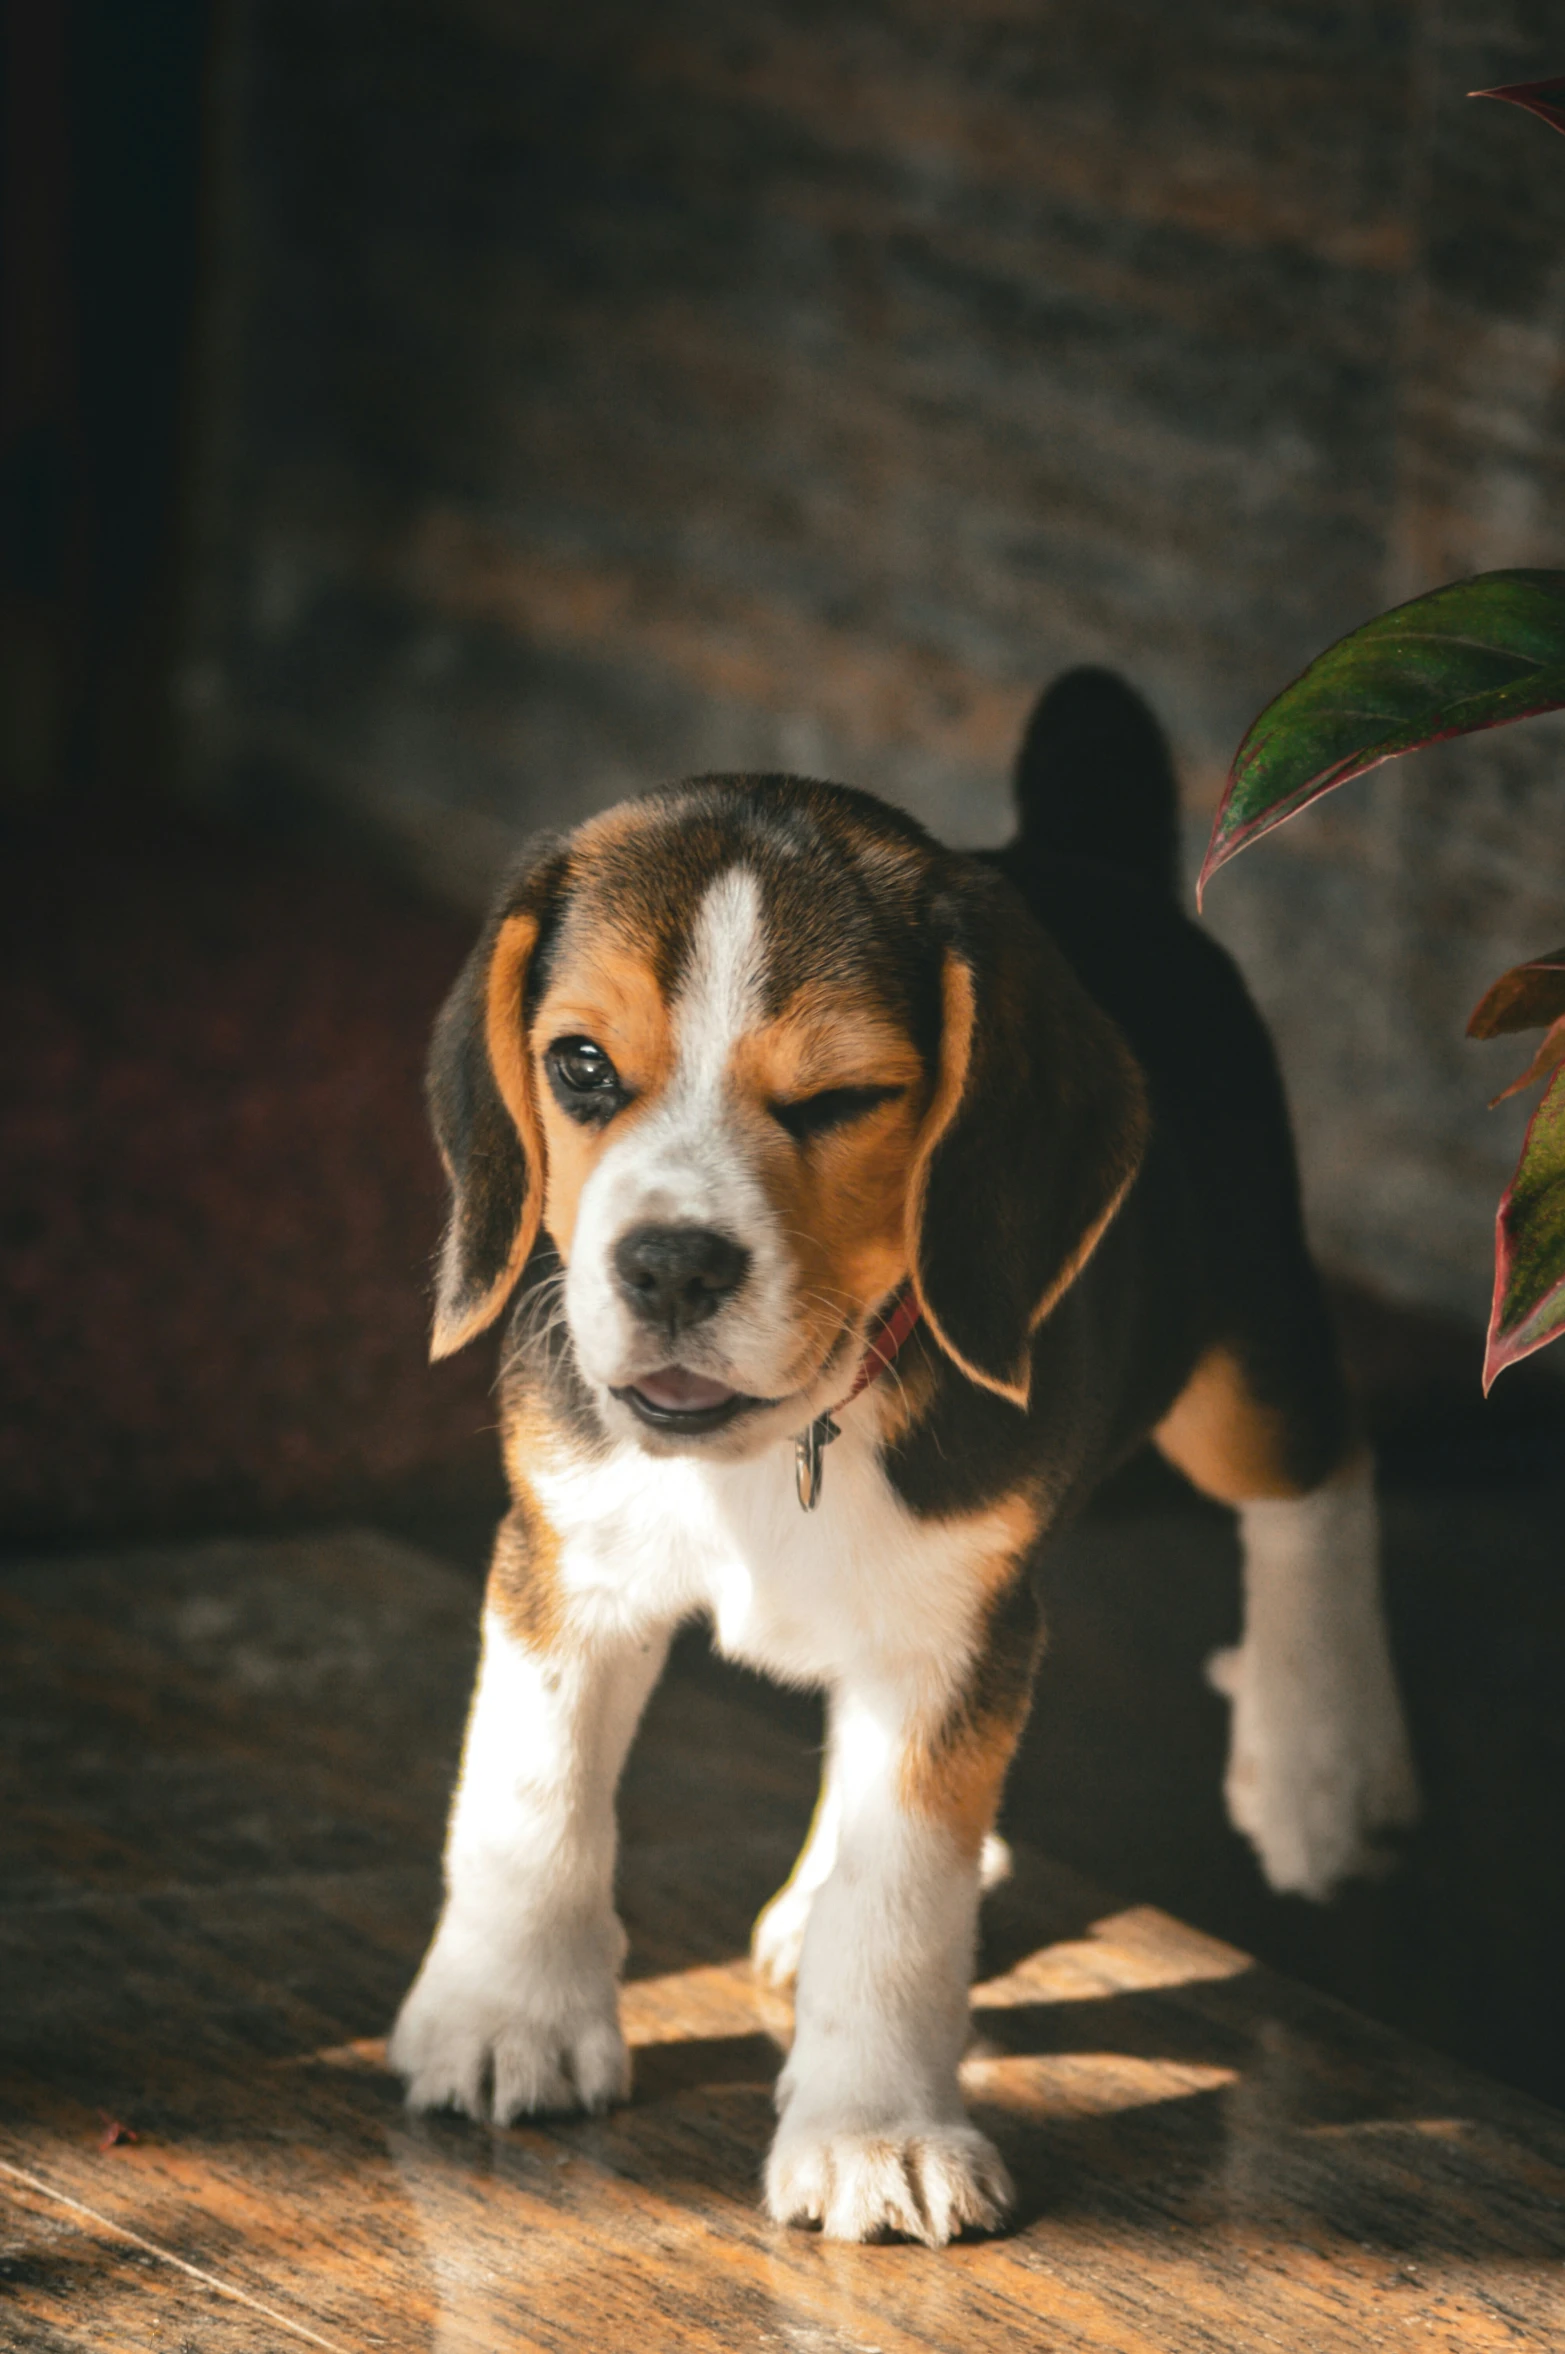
column 1095, row 779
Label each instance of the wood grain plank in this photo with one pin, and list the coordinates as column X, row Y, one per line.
column 1204, row 2154
column 71, row 2278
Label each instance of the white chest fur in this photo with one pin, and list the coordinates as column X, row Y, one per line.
column 858, row 1585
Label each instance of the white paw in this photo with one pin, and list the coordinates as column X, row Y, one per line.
column 1314, row 1777
column 510, row 2042
column 777, row 1940
column 925, row 2181
column 995, row 1862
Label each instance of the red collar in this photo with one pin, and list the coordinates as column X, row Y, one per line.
column 885, row 1338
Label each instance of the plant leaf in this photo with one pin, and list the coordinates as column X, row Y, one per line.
column 1529, row 1243
column 1525, row 998
column 1550, row 1053
column 1546, row 99
column 1475, row 654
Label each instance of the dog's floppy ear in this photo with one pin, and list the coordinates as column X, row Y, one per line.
column 1033, row 1135
column 481, row 1102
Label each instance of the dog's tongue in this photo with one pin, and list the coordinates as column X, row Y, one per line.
column 679, row 1392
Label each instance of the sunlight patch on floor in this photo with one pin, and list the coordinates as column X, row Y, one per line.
column 1082, row 2084
column 1133, row 1952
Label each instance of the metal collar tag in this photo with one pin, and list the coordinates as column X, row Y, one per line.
column 809, row 1466
column 809, row 1448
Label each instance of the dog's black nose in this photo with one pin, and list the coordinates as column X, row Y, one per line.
column 676, row 1276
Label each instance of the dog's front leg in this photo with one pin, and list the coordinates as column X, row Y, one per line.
column 516, row 2005
column 873, row 2136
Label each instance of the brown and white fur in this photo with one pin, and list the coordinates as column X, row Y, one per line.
column 729, row 1066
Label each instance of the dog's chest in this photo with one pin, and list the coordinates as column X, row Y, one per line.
column 858, row 1586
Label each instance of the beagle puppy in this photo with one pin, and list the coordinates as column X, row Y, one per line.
column 862, row 1205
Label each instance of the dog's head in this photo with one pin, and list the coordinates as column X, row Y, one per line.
column 753, row 1053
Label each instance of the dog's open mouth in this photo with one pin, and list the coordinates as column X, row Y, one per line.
column 672, row 1399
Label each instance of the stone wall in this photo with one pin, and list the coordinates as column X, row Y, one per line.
column 599, row 393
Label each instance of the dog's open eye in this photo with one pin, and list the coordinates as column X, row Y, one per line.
column 584, row 1081
column 813, row 1115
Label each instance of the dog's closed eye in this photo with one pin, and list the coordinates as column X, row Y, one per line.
column 833, row 1107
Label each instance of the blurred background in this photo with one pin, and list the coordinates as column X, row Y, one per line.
column 426, row 420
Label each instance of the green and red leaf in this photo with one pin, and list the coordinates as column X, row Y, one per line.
column 1548, row 1058
column 1529, row 1243
column 1525, row 998
column 1545, row 99
column 1475, row 654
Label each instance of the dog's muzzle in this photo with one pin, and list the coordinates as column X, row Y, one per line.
column 673, row 1278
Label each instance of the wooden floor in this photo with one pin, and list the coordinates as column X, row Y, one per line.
column 223, row 1783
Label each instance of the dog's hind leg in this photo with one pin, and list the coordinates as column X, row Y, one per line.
column 777, row 1939
column 1319, row 1764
